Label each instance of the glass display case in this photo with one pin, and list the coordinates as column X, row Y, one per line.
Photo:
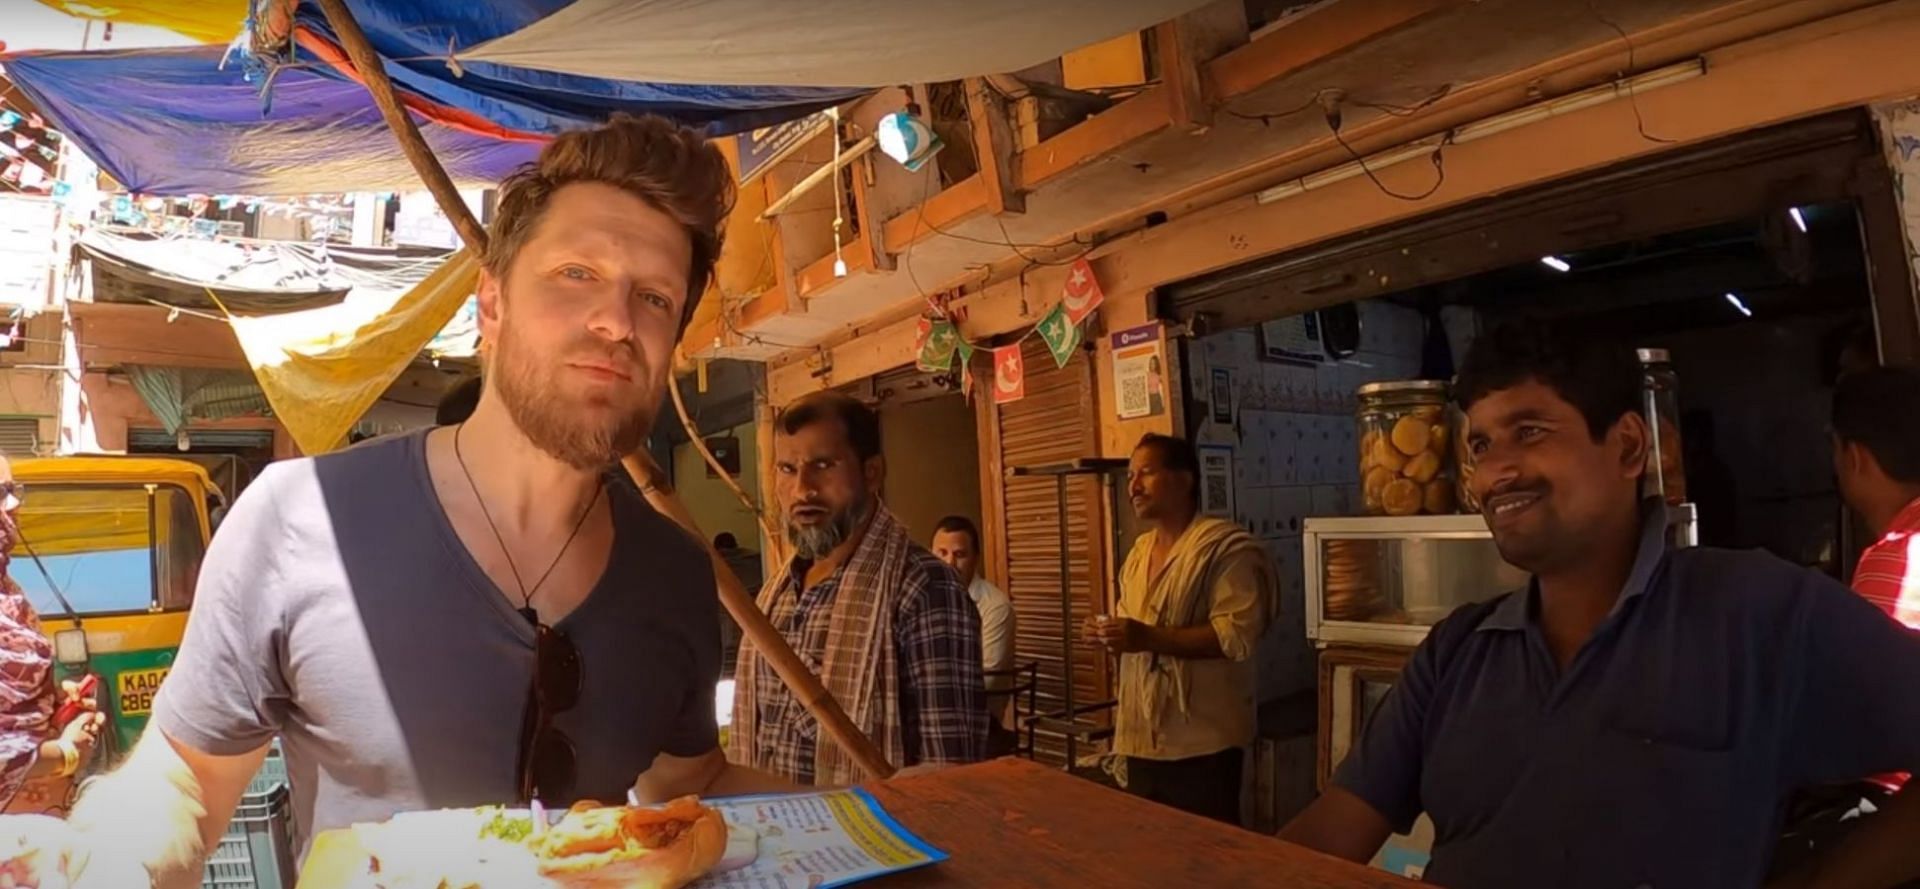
column 1385, row 581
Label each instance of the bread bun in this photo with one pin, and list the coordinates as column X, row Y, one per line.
column 603, row 848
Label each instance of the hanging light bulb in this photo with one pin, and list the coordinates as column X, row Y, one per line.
column 839, row 217
column 181, row 441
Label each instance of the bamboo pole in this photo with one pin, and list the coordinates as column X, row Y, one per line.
column 786, row 664
column 779, row 655
column 699, row 444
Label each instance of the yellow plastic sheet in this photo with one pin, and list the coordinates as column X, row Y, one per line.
column 322, row 368
column 207, row 21
column 59, row 521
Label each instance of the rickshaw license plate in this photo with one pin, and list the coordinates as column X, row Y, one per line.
column 137, row 688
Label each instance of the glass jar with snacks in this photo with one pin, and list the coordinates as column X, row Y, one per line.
column 1666, row 476
column 1463, row 462
column 1406, row 448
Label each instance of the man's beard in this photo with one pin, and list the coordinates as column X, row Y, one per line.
column 583, row 434
column 814, row 542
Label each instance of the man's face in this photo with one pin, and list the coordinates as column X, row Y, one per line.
column 957, row 550
column 1156, row 491
column 823, row 488
column 1543, row 483
column 584, row 323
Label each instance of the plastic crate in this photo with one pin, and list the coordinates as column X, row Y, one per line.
column 257, row 850
column 273, row 773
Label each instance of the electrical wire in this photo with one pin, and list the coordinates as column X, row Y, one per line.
column 1404, row 110
column 1439, row 169
column 1267, row 118
column 1625, row 80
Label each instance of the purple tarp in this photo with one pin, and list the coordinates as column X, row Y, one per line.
column 171, row 121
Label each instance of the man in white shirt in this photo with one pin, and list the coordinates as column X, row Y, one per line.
column 956, row 541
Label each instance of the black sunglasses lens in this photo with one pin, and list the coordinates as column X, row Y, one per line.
column 553, row 767
column 559, row 670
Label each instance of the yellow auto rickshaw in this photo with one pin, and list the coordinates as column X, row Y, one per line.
column 109, row 552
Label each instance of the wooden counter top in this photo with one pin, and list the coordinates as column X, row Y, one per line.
column 1012, row 823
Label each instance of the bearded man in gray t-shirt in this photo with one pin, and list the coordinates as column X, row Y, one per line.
column 468, row 615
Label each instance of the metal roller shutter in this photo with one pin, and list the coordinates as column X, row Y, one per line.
column 1055, row 423
column 19, row 436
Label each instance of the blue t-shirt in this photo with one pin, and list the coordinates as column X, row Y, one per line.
column 1661, row 757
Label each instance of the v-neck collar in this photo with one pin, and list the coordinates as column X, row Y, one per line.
column 500, row 600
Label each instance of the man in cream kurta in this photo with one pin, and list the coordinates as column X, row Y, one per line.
column 1196, row 593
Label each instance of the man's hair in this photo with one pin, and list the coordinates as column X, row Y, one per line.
column 1177, row 454
column 458, row 403
column 1880, row 409
column 860, row 422
column 1600, row 379
column 725, row 540
column 669, row 166
column 959, row 524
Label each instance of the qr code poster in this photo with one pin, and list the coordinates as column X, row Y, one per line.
column 1139, row 373
column 1216, row 481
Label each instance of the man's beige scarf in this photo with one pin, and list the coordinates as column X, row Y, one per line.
column 1153, row 685
column 859, row 667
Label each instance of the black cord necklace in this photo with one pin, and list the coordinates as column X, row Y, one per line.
column 526, row 595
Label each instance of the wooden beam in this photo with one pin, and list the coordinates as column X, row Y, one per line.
column 354, row 41
column 847, row 155
column 873, row 235
column 1315, row 36
column 948, row 206
column 1101, row 135
column 112, row 334
column 818, row 275
column 1734, row 24
column 1186, row 100
column 1184, row 46
column 994, row 147
column 786, row 285
column 1657, row 45
column 1762, row 81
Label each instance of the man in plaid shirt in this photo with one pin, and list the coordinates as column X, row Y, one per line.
column 888, row 627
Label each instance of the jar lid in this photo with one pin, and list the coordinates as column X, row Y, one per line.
column 1437, row 387
column 1653, row 356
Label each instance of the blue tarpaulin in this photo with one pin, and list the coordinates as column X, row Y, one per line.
column 171, row 121
column 293, row 119
column 418, row 38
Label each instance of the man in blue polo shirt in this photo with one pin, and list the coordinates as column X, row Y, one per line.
column 1635, row 717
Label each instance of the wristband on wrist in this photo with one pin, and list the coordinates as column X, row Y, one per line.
column 69, row 758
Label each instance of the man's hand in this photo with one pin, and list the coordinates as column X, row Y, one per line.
column 707, row 775
column 1119, row 635
column 84, row 731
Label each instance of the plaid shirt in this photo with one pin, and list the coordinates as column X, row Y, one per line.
column 1889, row 571
column 943, row 711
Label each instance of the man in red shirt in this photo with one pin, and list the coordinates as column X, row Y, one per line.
column 1876, row 454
